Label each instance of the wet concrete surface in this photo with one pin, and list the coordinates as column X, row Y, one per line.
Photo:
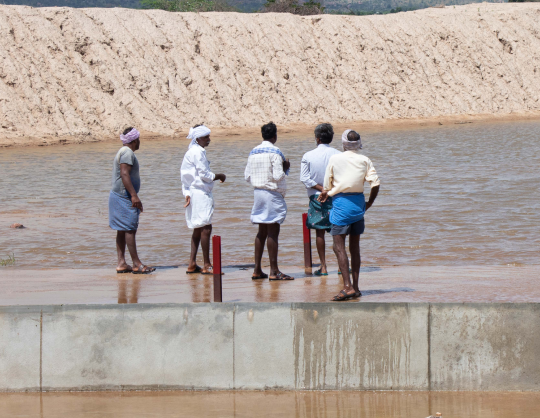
column 271, row 404
column 172, row 285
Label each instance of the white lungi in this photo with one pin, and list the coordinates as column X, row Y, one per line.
column 269, row 207
column 201, row 209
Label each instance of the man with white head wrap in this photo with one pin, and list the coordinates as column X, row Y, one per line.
column 344, row 181
column 124, row 203
column 197, row 185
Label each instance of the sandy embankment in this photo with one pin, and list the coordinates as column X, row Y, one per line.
column 83, row 74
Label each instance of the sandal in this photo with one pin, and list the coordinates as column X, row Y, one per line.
column 318, row 273
column 280, row 277
column 260, row 276
column 339, row 272
column 144, row 270
column 342, row 295
column 127, row 270
column 197, row 270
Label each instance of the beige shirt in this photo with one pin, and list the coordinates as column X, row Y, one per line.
column 347, row 172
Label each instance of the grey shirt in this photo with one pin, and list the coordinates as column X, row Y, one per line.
column 125, row 156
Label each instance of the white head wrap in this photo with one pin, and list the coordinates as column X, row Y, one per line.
column 350, row 145
column 198, row 132
column 130, row 136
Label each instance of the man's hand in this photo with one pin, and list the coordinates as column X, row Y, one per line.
column 220, row 177
column 136, row 202
column 372, row 196
column 286, row 165
column 323, row 196
column 188, row 201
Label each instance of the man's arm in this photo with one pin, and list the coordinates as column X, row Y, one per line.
column 202, row 170
column 277, row 167
column 247, row 172
column 305, row 176
column 125, row 170
column 374, row 182
column 328, row 183
column 372, row 196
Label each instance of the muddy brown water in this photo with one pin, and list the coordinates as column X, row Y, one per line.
column 452, row 195
column 271, row 404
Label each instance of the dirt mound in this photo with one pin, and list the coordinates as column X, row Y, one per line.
column 87, row 73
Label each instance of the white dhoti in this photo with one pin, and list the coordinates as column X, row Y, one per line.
column 269, row 207
column 201, row 209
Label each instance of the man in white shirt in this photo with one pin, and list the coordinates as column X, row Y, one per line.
column 344, row 181
column 312, row 172
column 197, row 185
column 265, row 171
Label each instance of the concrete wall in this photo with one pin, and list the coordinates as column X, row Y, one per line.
column 365, row 346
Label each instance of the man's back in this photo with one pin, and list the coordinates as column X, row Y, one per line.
column 313, row 167
column 347, row 172
column 264, row 170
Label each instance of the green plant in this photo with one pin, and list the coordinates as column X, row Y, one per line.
column 188, row 5
column 310, row 7
column 10, row 261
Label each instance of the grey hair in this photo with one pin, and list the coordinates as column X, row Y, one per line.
column 324, row 132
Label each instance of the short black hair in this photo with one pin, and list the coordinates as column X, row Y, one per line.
column 127, row 130
column 324, row 132
column 269, row 131
column 353, row 136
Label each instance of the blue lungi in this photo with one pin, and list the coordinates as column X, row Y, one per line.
column 122, row 215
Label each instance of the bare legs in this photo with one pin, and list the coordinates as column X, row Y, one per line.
column 270, row 231
column 123, row 238
column 321, row 248
column 343, row 261
column 200, row 236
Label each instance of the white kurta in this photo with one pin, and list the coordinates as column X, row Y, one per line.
column 198, row 182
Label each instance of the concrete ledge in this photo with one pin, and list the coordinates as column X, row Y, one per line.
column 368, row 346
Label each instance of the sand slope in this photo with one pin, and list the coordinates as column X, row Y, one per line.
column 86, row 73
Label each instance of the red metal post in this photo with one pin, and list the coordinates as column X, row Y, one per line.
column 307, row 245
column 216, row 252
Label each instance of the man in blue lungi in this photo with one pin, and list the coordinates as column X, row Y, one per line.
column 265, row 171
column 344, row 182
column 124, row 203
column 312, row 172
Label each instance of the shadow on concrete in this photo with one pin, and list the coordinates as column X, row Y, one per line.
column 381, row 291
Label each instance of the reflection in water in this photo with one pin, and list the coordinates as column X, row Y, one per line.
column 447, row 198
column 342, row 404
column 131, row 296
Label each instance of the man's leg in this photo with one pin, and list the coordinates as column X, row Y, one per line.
column 273, row 236
column 321, row 249
column 354, row 248
column 260, row 241
column 132, row 247
column 195, row 241
column 121, row 250
column 205, row 245
column 343, row 262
